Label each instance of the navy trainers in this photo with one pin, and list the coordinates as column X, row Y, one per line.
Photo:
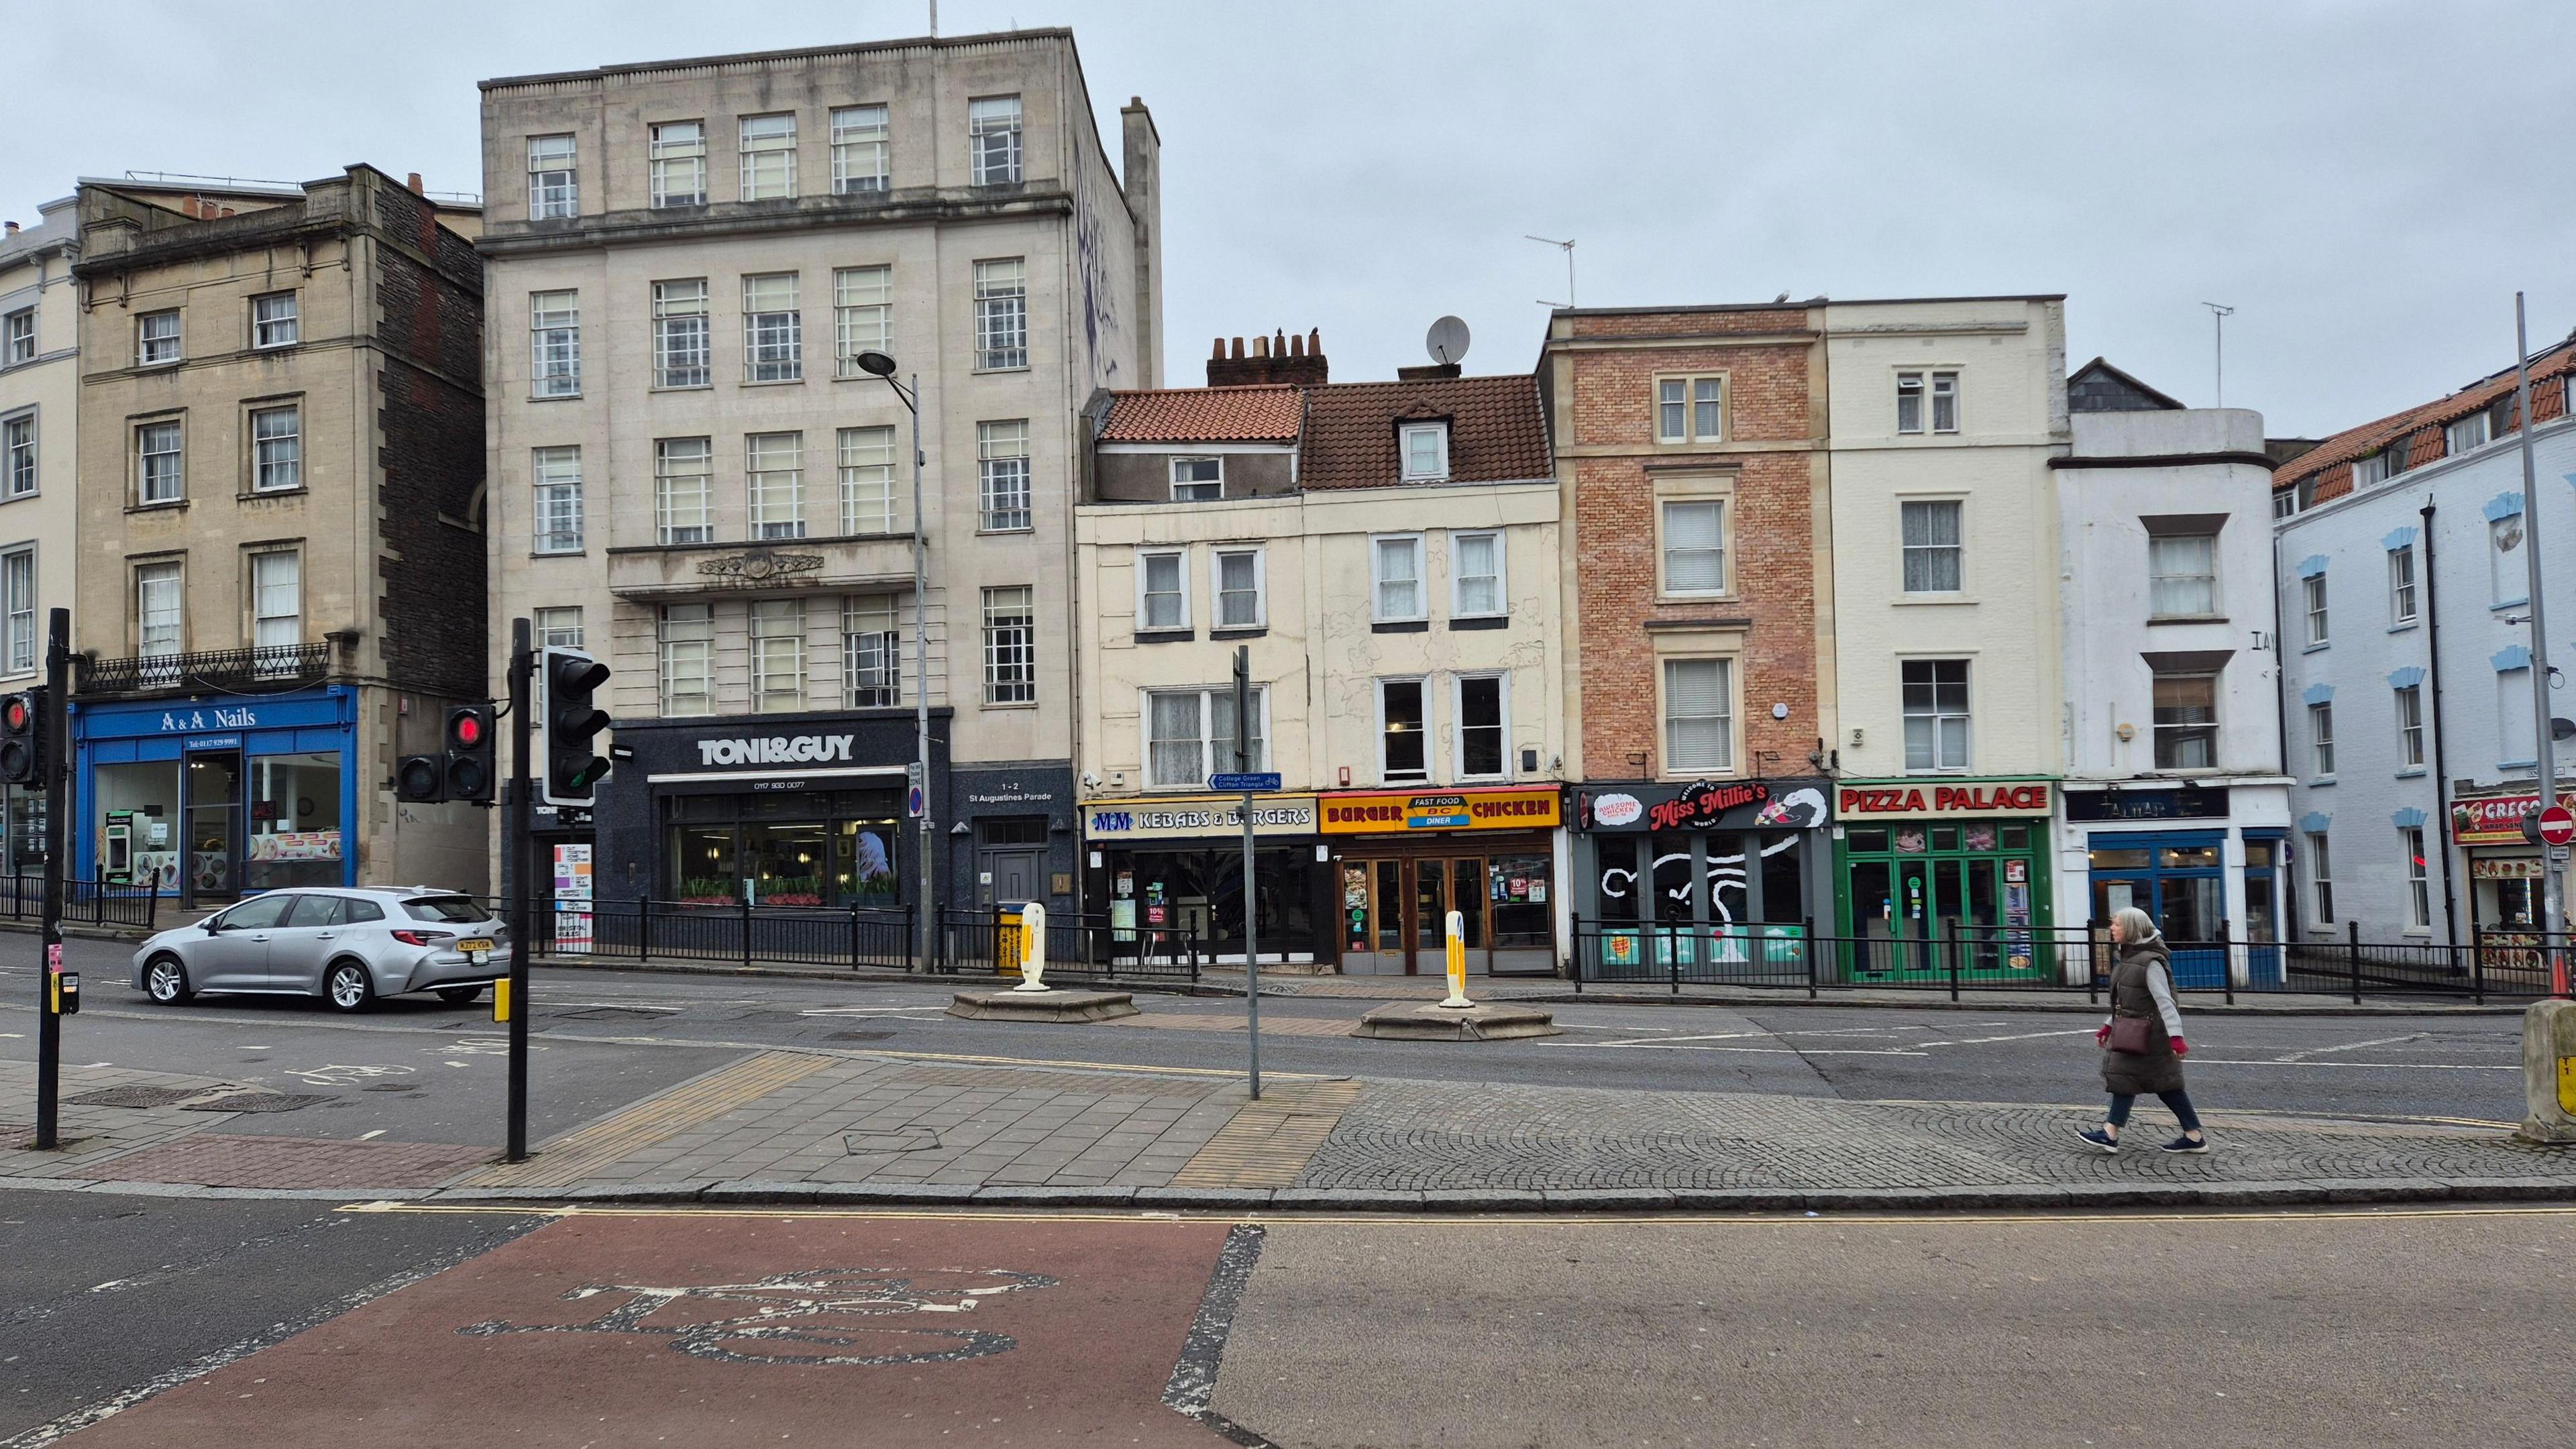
column 2186, row 1144
column 2101, row 1139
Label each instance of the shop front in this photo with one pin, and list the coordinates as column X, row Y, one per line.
column 2204, row 862
column 217, row 800
column 1691, row 875
column 1926, row 871
column 1168, row 875
column 1402, row 861
column 2504, row 860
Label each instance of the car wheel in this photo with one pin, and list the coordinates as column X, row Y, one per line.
column 348, row 986
column 165, row 980
column 458, row 995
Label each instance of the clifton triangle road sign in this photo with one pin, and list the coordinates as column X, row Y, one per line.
column 1243, row 784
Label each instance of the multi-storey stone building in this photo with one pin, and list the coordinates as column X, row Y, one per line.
column 1387, row 552
column 39, row 478
column 280, row 510
column 695, row 479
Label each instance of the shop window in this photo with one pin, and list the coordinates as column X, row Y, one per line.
column 2186, row 721
column 1784, row 878
column 1936, row 714
column 1190, row 735
column 1482, row 715
column 144, row 798
column 295, row 827
column 1674, row 880
column 1518, row 886
column 1401, row 756
column 702, row 864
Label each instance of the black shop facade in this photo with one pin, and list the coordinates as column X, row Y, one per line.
column 1705, row 854
column 809, row 810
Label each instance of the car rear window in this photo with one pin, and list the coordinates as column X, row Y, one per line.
column 453, row 909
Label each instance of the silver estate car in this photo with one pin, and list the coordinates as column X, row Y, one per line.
column 348, row 946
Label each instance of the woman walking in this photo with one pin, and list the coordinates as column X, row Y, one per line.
column 2142, row 1045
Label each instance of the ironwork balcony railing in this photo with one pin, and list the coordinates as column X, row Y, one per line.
column 273, row 668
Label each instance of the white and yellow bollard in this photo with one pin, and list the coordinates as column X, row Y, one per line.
column 2549, row 1072
column 1457, row 963
column 1032, row 948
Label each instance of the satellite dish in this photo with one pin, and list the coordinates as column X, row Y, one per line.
column 1447, row 341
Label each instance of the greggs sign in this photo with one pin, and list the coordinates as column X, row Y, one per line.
column 1911, row 800
column 1359, row 814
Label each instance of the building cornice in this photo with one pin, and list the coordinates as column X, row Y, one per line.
column 760, row 218
column 2164, row 460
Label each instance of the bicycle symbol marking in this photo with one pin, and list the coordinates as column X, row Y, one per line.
column 822, row 1316
column 340, row 1074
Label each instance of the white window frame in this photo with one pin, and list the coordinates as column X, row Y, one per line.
column 862, row 134
column 1211, row 754
column 20, row 462
column 2321, row 740
column 773, row 337
column 872, row 647
column 993, row 140
column 774, row 638
column 2408, row 702
column 774, row 495
column 277, row 328
column 1690, row 408
column 151, row 347
column 1458, row 576
column 172, row 625
column 1430, row 766
column 684, row 640
column 554, row 177
column 1379, row 579
column 18, row 607
column 2419, row 878
column 2320, row 619
column 2462, row 435
column 1940, row 718
column 1191, row 490
column 684, row 343
column 2320, row 854
column 273, row 631
column 2181, row 730
column 174, row 477
column 1404, row 459
column 555, row 474
column 559, row 627
column 1010, row 681
column 1217, row 592
column 669, row 158
column 1934, row 394
column 1502, row 726
column 1731, row 670
column 2402, row 606
column 1956, row 548
column 1724, row 503
column 866, row 458
column 862, row 316
column 554, row 344
column 1005, row 482
column 2160, row 547
column 18, row 337
column 757, row 184
column 1146, row 593
column 684, row 510
column 1002, row 314
column 277, row 460
column 2285, row 504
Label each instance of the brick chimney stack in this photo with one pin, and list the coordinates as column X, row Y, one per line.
column 414, row 183
column 1277, row 358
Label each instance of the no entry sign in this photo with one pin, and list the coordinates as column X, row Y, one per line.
column 2557, row 825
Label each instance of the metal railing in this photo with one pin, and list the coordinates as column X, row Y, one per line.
column 1957, row 957
column 275, row 667
column 85, row 902
column 965, row 943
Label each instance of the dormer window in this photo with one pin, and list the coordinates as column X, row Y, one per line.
column 1198, row 480
column 1426, row 452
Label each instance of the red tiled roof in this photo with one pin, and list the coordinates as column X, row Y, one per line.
column 2329, row 464
column 1264, row 414
column 1497, row 430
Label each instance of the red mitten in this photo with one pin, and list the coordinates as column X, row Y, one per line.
column 2102, row 1033
column 2181, row 1048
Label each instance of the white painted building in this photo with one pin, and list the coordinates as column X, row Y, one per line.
column 39, row 474
column 2174, row 800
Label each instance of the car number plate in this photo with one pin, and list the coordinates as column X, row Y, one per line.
column 477, row 950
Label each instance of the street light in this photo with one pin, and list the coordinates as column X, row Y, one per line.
column 882, row 365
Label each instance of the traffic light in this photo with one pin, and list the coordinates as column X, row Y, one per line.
column 566, row 680
column 22, row 738
column 421, row 779
column 468, row 771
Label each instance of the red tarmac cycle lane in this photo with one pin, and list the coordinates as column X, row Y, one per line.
column 707, row 1330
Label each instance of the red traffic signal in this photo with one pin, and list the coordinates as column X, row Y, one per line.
column 19, row 716
column 22, row 739
column 471, row 767
column 466, row 729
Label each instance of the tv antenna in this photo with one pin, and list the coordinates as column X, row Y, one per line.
column 2218, row 320
column 1568, row 248
column 1446, row 341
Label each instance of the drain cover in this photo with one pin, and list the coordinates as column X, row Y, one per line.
column 901, row 1139
column 256, row 1102
column 133, row 1097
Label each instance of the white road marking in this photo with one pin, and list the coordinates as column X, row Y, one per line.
column 2018, row 1036
column 2353, row 1046
column 372, row 1136
column 2366, row 1066
column 886, row 1010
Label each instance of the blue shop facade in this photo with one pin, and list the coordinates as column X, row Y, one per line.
column 217, row 798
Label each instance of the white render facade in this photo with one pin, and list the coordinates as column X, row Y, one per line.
column 39, row 471
column 2174, row 799
column 692, row 477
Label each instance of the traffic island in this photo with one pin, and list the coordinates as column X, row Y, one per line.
column 1484, row 1021
column 1019, row 1005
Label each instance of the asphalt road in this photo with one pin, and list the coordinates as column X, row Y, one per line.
column 605, row 1037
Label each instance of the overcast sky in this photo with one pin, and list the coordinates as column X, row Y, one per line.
column 2366, row 181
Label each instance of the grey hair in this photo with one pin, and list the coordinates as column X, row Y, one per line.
column 2141, row 926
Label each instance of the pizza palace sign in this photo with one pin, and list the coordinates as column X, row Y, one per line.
column 1904, row 800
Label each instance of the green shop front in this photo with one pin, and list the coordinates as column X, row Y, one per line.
column 1933, row 877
